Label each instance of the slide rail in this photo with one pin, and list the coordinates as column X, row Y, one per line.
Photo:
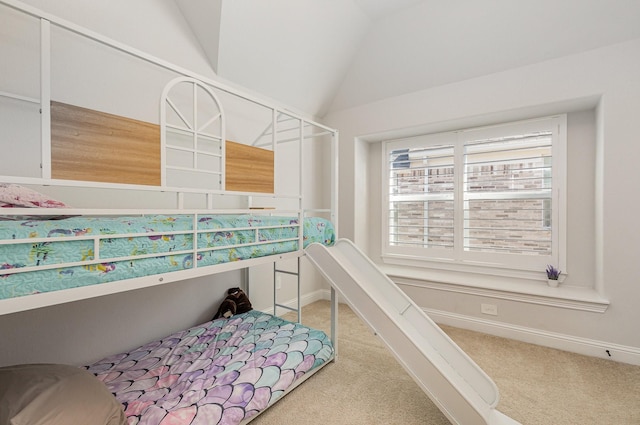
column 453, row 381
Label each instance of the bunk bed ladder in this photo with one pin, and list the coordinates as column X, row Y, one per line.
column 276, row 274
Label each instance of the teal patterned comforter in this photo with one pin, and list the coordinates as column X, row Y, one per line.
column 161, row 243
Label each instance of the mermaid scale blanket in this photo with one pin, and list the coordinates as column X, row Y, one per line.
column 222, row 372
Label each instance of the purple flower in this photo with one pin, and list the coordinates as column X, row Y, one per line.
column 552, row 272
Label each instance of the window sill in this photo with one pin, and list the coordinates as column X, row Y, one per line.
column 533, row 292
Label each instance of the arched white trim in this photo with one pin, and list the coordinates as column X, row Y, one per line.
column 192, row 128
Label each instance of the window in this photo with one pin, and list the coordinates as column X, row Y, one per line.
column 485, row 196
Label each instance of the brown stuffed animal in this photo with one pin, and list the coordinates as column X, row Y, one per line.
column 236, row 302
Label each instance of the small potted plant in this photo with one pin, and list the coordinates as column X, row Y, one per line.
column 553, row 275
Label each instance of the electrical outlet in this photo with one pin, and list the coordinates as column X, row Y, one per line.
column 278, row 282
column 491, row 309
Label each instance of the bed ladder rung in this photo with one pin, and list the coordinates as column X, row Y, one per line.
column 286, row 307
column 277, row 284
column 286, row 272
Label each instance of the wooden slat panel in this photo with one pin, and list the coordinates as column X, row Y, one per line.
column 89, row 145
column 248, row 169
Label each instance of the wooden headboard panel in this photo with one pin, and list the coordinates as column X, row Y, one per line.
column 89, row 145
column 248, row 168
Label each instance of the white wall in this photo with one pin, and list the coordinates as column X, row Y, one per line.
column 605, row 237
column 85, row 331
column 156, row 27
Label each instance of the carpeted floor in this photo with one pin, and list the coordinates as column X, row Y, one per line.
column 538, row 385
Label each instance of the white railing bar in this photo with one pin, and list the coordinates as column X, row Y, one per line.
column 194, row 246
column 175, row 128
column 267, row 131
column 295, row 139
column 96, row 248
column 278, row 142
column 205, row 125
column 246, row 228
column 322, row 133
column 308, row 136
column 194, row 107
column 100, row 260
column 45, row 98
column 175, row 109
column 20, row 97
column 263, row 134
column 195, row 170
column 163, row 139
column 333, row 190
column 287, row 117
column 191, row 150
column 317, row 210
column 299, row 286
column 274, row 147
column 301, row 181
column 223, row 247
column 65, row 239
column 125, row 186
column 180, row 200
column 101, row 212
column 90, row 262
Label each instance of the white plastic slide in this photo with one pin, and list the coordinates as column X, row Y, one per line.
column 451, row 379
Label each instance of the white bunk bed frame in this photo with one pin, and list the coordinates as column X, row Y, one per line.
column 46, row 21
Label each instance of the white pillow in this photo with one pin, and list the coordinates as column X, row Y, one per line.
column 16, row 196
column 56, row 394
column 23, row 197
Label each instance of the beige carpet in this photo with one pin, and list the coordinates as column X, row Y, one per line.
column 538, row 385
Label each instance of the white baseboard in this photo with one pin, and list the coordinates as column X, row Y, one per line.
column 305, row 299
column 584, row 346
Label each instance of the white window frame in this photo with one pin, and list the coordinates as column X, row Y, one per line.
column 457, row 259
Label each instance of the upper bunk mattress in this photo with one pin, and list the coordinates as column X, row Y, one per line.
column 221, row 372
column 49, row 255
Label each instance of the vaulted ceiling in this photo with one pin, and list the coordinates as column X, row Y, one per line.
column 318, row 56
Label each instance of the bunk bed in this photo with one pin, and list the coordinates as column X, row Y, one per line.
column 222, row 209
column 45, row 255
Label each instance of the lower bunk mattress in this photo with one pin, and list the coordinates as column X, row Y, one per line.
column 222, row 372
column 48, row 255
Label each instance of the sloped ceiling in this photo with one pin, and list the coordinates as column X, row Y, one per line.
column 318, row 56
column 204, row 18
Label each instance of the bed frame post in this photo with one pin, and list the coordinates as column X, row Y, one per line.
column 275, row 287
column 334, row 322
column 45, row 97
column 299, row 298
